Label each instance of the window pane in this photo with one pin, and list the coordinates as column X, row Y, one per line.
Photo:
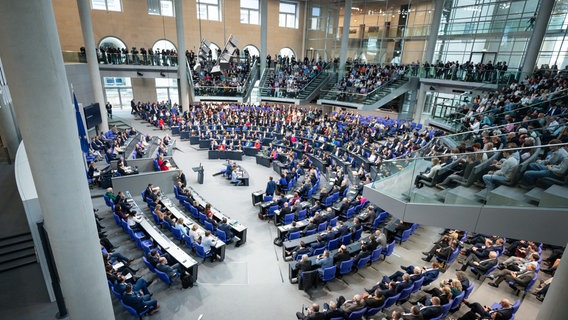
column 250, row 4
column 315, row 11
column 244, row 16
column 162, row 94
column 290, row 21
column 174, row 95
column 254, row 17
column 112, row 97
column 213, row 13
column 114, row 5
column 126, row 96
column 287, row 7
column 202, row 12
column 167, row 8
column 98, row 4
column 215, row 2
column 282, row 20
column 153, row 6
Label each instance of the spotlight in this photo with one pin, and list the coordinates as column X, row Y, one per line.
column 432, row 88
column 139, row 73
column 162, row 74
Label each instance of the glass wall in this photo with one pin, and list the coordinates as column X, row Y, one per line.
column 167, row 90
column 118, row 91
column 322, row 39
column 481, row 31
column 387, row 31
column 554, row 49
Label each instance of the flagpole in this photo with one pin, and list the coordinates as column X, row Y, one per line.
column 81, row 131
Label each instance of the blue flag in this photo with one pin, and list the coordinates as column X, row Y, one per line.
column 81, row 127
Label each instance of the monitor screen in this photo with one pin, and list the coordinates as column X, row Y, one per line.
column 92, row 115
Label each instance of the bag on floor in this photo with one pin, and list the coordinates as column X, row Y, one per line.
column 186, row 281
column 260, row 215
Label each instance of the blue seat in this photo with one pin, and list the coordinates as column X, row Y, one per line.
column 143, row 198
column 288, row 218
column 164, row 277
column 346, row 266
column 156, row 166
column 188, row 241
column 222, row 235
column 267, row 198
column 108, row 202
column 474, row 270
column 333, row 244
column 389, row 249
column 148, row 264
column 310, row 232
column 117, row 219
column 167, row 225
column 417, row 285
column 156, row 219
column 376, row 254
column 333, row 222
column 328, row 274
column 302, row 214
column 194, row 212
column 405, row 235
column 357, row 315
column 208, row 226
column 346, row 239
column 177, row 234
column 456, row 301
column 176, row 192
column 362, row 262
column 451, row 258
column 133, row 311
column 468, row 291
column 202, row 218
column 201, row 252
column 445, row 310
column 318, row 251
column 405, row 293
column 350, row 213
column 182, row 199
column 357, row 234
column 271, row 210
column 294, row 235
column 328, row 201
column 390, row 301
column 322, row 226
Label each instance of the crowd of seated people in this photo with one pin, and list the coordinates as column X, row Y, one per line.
column 230, row 81
column 290, row 76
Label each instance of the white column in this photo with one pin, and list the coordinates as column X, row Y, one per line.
column 345, row 36
column 92, row 60
column 554, row 306
column 182, row 59
column 434, row 28
column 537, row 37
column 8, row 127
column 34, row 69
column 263, row 34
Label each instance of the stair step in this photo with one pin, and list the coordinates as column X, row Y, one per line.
column 17, row 263
column 11, row 240
column 17, row 255
column 16, row 247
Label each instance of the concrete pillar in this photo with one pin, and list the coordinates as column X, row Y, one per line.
column 345, row 36
column 419, row 106
column 537, row 37
column 554, row 306
column 434, row 28
column 263, row 34
column 92, row 60
column 182, row 59
column 8, row 127
column 46, row 116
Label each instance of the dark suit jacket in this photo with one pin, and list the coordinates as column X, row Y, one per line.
column 485, row 265
column 340, row 257
column 431, row 312
column 338, row 313
column 134, row 301
column 166, row 269
column 270, row 187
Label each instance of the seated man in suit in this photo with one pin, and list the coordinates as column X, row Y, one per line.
column 313, row 313
column 138, row 302
column 433, row 310
column 521, row 279
column 341, row 255
column 223, row 226
column 481, row 266
column 504, row 312
column 172, row 271
column 333, row 311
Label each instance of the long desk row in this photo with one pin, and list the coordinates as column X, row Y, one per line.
column 291, row 244
column 162, row 241
column 239, row 230
column 226, row 154
column 352, row 248
column 188, row 222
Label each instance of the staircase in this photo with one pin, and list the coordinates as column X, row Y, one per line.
column 16, row 251
column 312, row 89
